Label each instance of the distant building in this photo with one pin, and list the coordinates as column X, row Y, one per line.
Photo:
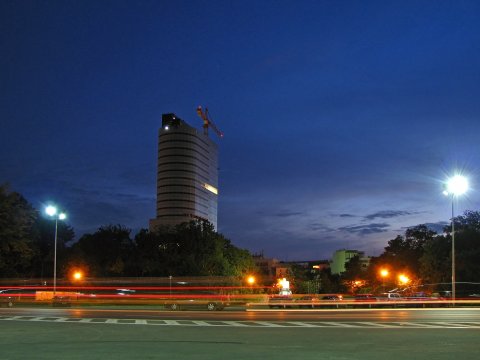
column 187, row 174
column 319, row 266
column 342, row 257
column 267, row 266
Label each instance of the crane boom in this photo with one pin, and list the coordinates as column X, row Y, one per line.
column 208, row 122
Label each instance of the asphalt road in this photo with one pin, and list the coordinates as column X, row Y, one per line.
column 452, row 315
column 57, row 333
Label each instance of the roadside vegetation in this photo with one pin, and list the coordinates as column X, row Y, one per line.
column 421, row 255
column 189, row 249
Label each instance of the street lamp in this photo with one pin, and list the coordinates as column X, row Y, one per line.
column 53, row 212
column 77, row 275
column 455, row 186
column 384, row 273
column 403, row 279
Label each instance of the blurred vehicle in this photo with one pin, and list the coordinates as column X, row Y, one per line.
column 6, row 298
column 9, row 297
column 389, row 297
column 210, row 301
column 422, row 299
column 280, row 301
column 331, row 301
column 365, row 298
column 332, row 297
column 123, row 292
column 62, row 301
column 421, row 296
column 308, row 301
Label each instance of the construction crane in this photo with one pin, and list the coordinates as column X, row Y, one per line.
column 207, row 122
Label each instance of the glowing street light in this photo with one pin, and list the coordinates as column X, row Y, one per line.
column 77, row 275
column 384, row 273
column 53, row 212
column 455, row 186
column 403, row 279
column 251, row 280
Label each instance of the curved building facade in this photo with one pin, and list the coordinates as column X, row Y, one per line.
column 187, row 174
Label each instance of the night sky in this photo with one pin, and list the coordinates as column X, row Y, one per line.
column 341, row 118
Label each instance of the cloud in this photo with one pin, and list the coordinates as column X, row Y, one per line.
column 373, row 228
column 320, row 227
column 288, row 213
column 346, row 215
column 388, row 214
column 438, row 226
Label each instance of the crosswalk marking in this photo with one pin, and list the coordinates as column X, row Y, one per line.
column 374, row 324
column 344, row 325
column 462, row 325
column 236, row 323
column 267, row 324
column 201, row 323
column 61, row 319
column 171, row 322
column 302, row 324
column 255, row 324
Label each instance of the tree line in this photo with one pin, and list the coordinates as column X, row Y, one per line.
column 196, row 249
column 421, row 254
column 189, row 249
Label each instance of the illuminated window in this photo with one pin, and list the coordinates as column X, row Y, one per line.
column 211, row 188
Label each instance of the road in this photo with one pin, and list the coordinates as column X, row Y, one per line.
column 441, row 315
column 96, row 333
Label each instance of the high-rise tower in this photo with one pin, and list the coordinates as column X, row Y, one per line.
column 187, row 174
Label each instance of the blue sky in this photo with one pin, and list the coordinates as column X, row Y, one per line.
column 341, row 118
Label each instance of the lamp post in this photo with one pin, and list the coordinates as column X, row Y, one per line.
column 384, row 273
column 455, row 186
column 53, row 212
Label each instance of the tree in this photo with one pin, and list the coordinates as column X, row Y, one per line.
column 155, row 253
column 404, row 252
column 467, row 246
column 44, row 242
column 435, row 262
column 104, row 252
column 17, row 250
column 330, row 283
column 193, row 249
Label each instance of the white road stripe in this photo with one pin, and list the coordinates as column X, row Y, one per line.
column 171, row 322
column 202, row 323
column 302, row 324
column 258, row 324
column 236, row 323
column 343, row 325
column 456, row 325
column 268, row 324
column 372, row 324
column 39, row 318
column 417, row 325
